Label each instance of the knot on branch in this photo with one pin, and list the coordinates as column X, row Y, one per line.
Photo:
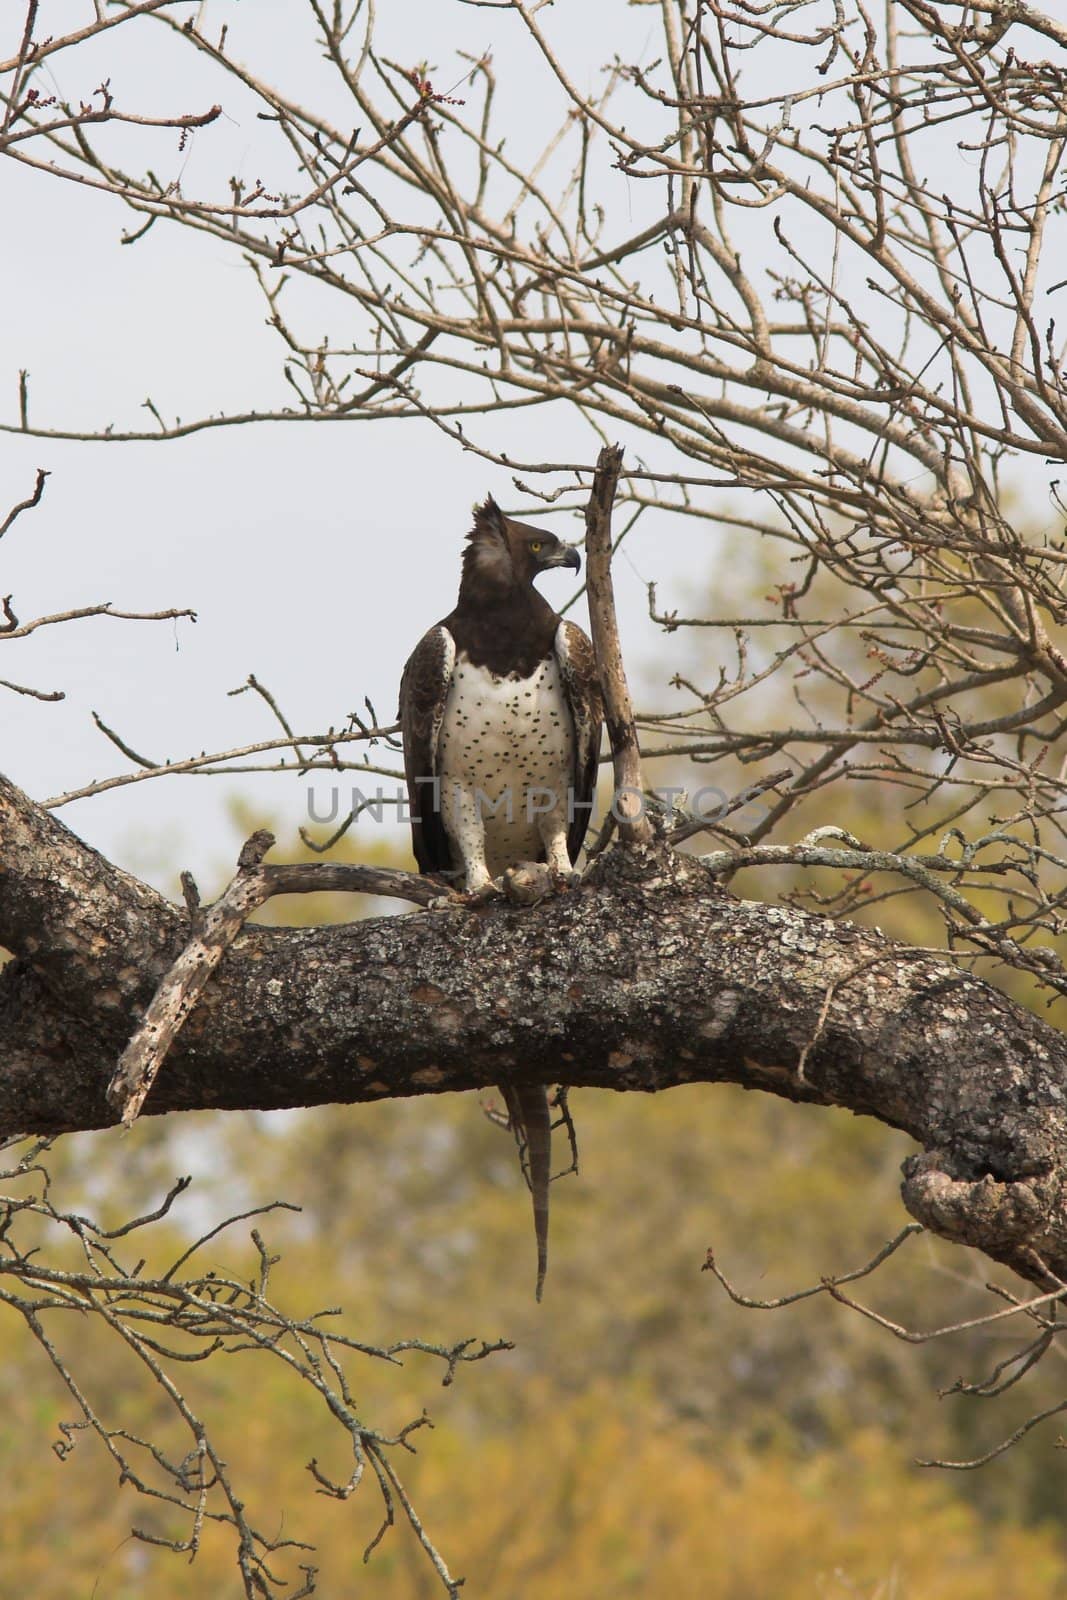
column 1021, row 1222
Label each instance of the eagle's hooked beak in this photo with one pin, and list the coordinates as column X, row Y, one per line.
column 565, row 556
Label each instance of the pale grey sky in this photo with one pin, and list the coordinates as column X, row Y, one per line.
column 315, row 555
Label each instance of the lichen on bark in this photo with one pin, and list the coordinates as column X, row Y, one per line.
column 647, row 976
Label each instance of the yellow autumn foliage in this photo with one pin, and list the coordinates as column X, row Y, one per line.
column 590, row 1496
column 645, row 1437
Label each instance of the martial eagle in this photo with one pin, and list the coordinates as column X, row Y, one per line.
column 501, row 715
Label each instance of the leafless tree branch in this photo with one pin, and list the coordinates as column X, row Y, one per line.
column 168, row 1318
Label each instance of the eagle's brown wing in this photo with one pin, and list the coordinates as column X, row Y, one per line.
column 423, row 693
column 581, row 689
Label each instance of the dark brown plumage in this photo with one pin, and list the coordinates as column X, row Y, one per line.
column 503, row 624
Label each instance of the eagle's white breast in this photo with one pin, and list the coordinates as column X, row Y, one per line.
column 506, row 766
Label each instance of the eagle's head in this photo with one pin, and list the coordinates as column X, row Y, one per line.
column 506, row 554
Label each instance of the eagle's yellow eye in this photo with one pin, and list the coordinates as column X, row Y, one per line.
column 535, row 546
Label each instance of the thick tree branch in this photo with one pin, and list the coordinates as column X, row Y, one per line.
column 212, row 935
column 701, row 988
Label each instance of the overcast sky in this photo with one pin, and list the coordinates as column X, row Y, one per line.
column 315, row 555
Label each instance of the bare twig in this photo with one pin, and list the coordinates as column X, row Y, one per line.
column 162, row 1319
column 33, row 499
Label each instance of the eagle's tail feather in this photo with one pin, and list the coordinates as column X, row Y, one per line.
column 531, row 1123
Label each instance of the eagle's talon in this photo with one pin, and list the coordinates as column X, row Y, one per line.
column 493, row 890
column 565, row 881
column 468, row 899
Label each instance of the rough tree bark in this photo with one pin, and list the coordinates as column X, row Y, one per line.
column 649, row 975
